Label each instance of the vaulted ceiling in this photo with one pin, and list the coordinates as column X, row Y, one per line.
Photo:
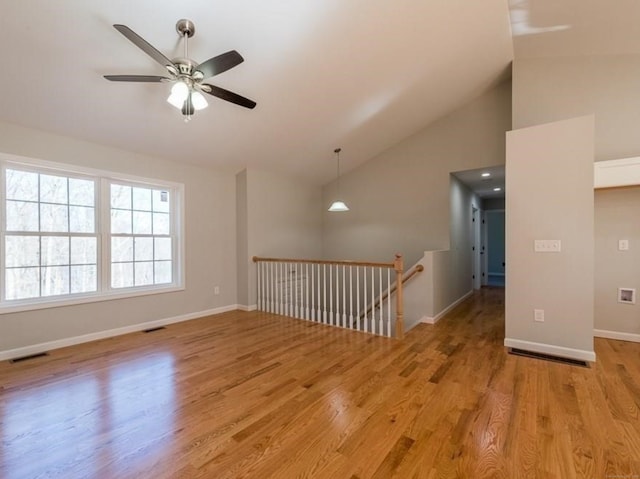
column 361, row 75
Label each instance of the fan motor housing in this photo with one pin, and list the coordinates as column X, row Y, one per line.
column 185, row 66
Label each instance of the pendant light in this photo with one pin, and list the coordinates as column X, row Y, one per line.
column 338, row 205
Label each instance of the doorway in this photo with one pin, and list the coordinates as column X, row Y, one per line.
column 487, row 235
column 495, row 247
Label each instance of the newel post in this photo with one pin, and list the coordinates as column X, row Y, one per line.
column 398, row 266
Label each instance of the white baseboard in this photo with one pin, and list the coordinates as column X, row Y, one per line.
column 244, row 307
column 560, row 351
column 438, row 317
column 85, row 338
column 602, row 333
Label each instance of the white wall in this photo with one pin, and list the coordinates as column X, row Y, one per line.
column 399, row 200
column 283, row 220
column 540, row 204
column 210, row 243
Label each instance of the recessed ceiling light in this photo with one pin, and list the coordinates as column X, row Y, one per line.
column 497, row 189
column 485, row 174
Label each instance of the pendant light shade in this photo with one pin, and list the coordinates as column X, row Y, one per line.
column 338, row 205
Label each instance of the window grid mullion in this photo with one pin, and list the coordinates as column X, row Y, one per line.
column 68, row 213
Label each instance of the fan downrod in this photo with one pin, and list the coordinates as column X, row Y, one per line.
column 185, row 27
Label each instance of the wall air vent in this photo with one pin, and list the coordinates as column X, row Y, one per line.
column 548, row 357
column 26, row 358
column 151, row 330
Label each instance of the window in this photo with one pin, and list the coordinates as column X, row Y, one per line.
column 141, row 252
column 85, row 236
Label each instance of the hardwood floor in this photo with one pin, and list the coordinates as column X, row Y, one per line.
column 256, row 395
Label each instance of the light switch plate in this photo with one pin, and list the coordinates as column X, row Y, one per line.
column 547, row 246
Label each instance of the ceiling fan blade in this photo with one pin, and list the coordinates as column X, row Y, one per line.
column 221, row 63
column 143, row 45
column 228, row 95
column 137, row 78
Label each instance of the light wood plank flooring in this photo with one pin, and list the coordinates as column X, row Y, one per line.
column 262, row 396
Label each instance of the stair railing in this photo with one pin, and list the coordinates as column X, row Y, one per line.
column 410, row 274
column 336, row 293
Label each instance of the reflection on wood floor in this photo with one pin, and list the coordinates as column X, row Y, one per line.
column 257, row 395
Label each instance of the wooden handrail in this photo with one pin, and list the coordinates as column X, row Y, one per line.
column 321, row 261
column 415, row 270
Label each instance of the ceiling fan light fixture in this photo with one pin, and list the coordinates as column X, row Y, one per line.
column 179, row 94
column 198, row 100
column 176, row 101
column 185, row 74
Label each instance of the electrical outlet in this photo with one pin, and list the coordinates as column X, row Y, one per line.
column 623, row 245
column 216, row 290
column 538, row 315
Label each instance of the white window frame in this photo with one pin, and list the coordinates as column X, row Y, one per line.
column 103, row 180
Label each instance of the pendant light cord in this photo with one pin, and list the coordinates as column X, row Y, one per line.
column 337, row 152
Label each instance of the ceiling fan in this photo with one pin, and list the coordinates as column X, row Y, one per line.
column 186, row 74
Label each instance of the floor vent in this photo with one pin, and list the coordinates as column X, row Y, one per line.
column 151, row 330
column 26, row 358
column 548, row 357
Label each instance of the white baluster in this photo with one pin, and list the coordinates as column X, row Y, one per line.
column 344, row 297
column 294, row 290
column 258, row 286
column 262, row 304
column 273, row 287
column 296, row 294
column 299, row 291
column 289, row 290
column 350, row 297
column 389, row 302
column 358, row 298
column 380, row 332
column 276, row 297
column 324, row 283
column 320, row 302
column 373, row 301
column 285, row 289
column 313, row 292
column 280, row 288
column 306, row 288
column 262, row 283
column 269, row 283
column 330, row 295
column 366, row 306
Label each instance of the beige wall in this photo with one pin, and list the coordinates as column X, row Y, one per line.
column 399, row 200
column 541, row 205
column 617, row 214
column 461, row 201
column 550, row 89
column 283, row 220
column 210, row 243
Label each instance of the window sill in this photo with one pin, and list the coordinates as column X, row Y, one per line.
column 19, row 306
